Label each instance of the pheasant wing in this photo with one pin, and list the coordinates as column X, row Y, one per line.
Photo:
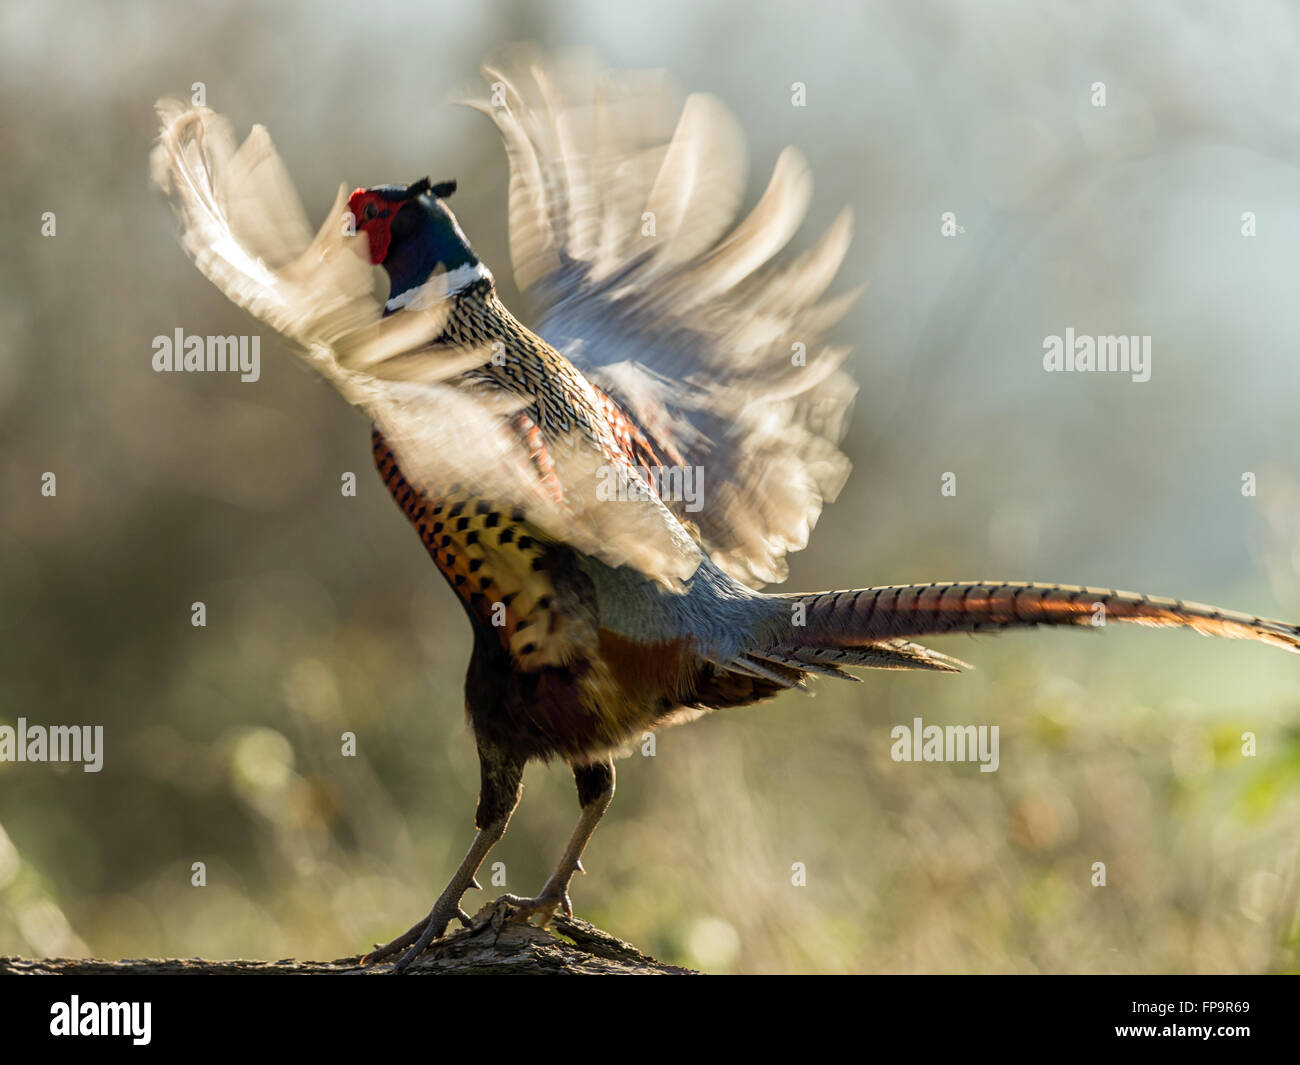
column 622, row 206
column 244, row 225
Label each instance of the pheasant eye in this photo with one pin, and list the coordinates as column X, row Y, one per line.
column 369, row 211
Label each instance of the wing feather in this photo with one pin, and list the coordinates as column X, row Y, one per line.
column 623, row 205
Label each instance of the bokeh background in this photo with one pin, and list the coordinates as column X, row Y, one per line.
column 324, row 615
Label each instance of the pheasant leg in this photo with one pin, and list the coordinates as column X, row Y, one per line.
column 595, row 791
column 502, row 778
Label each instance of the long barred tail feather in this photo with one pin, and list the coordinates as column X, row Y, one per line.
column 878, row 654
column 858, row 621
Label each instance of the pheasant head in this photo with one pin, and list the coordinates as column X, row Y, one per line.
column 414, row 236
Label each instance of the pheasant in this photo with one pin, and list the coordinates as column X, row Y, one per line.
column 537, row 464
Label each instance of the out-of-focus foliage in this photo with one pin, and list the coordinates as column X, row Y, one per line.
column 325, row 617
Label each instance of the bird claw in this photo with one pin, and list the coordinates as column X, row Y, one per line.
column 545, row 905
column 418, row 938
column 508, row 908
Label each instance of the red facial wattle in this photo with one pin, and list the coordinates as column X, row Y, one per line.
column 375, row 228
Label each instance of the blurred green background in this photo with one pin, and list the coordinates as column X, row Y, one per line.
column 325, row 616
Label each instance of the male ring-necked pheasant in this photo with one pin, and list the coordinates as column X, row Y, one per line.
column 605, row 600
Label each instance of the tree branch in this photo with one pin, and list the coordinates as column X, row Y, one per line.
column 578, row 949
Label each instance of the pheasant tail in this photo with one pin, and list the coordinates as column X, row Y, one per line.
column 852, row 627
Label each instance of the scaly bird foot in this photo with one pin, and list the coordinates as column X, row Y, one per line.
column 554, row 896
column 416, row 939
column 545, row 905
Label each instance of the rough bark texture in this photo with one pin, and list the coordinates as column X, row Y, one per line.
column 578, row 949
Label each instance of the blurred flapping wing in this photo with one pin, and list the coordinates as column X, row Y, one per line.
column 622, row 212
